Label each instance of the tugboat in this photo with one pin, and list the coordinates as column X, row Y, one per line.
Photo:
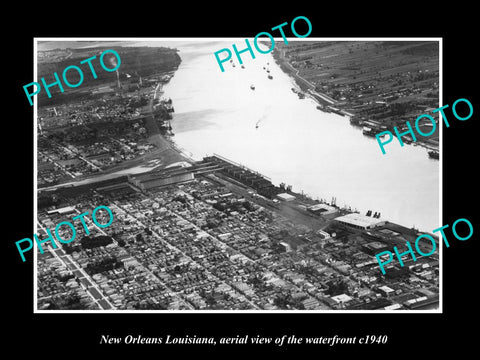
column 368, row 131
column 356, row 120
column 300, row 94
column 433, row 154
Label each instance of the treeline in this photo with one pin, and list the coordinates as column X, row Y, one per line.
column 102, row 265
column 46, row 200
column 239, row 206
column 141, row 61
column 88, row 242
column 70, row 301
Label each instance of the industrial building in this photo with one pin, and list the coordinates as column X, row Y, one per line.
column 285, row 197
column 165, row 177
column 62, row 211
column 322, row 209
column 359, row 221
column 253, row 179
column 374, row 247
column 171, row 175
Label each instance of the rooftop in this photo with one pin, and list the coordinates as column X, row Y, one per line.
column 360, row 220
column 286, row 197
column 63, row 210
column 322, row 207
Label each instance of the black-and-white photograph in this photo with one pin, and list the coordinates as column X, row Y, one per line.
column 238, row 174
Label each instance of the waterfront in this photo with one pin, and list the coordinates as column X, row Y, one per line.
column 315, row 152
column 188, row 242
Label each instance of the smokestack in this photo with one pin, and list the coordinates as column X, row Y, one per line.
column 113, row 61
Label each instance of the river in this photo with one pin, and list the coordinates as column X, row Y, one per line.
column 318, row 153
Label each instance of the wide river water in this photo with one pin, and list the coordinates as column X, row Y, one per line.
column 318, row 153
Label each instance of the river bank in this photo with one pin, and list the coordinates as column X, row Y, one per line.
column 350, row 107
column 295, row 143
column 302, row 83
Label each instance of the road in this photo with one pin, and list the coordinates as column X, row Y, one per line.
column 171, row 246
column 77, row 155
column 308, row 83
column 85, row 280
column 222, row 244
column 60, row 166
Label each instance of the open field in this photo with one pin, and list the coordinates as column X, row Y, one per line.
column 387, row 82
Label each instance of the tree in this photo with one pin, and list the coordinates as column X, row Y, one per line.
column 336, row 287
column 46, row 199
column 88, row 242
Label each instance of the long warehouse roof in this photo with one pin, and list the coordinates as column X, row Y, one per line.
column 359, row 220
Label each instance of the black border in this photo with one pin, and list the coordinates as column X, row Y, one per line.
column 408, row 334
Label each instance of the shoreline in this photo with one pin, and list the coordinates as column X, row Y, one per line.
column 168, row 139
column 189, row 156
column 324, row 101
column 170, row 152
column 295, row 211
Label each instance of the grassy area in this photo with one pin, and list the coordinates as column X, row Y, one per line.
column 388, row 82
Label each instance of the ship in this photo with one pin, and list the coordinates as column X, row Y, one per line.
column 356, row 120
column 368, row 131
column 300, row 94
column 252, row 87
column 433, row 154
column 335, row 110
column 243, row 67
column 270, row 77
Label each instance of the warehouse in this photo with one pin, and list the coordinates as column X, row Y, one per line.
column 359, row 221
